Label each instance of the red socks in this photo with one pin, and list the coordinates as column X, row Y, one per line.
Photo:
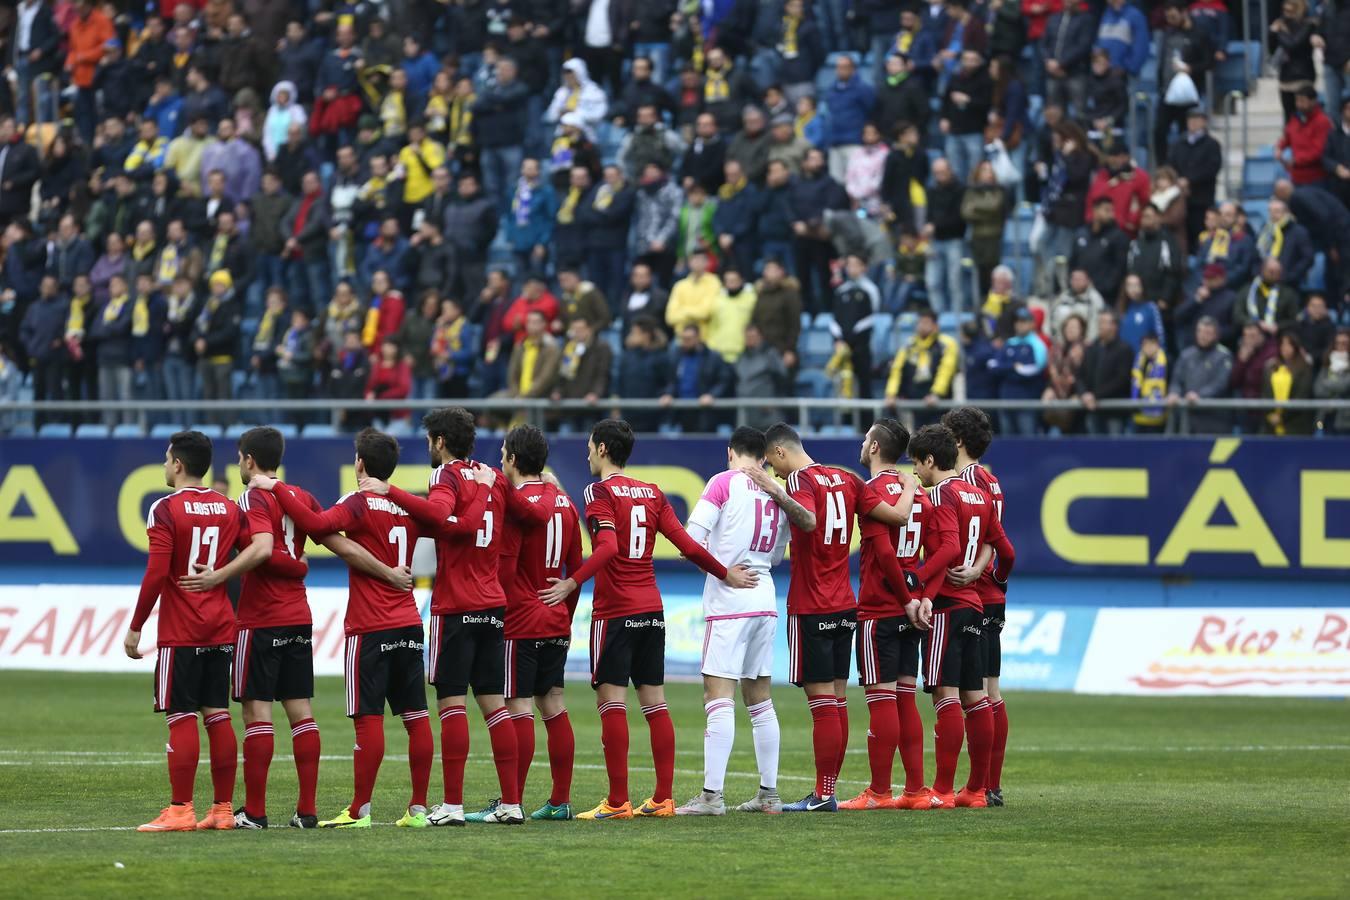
column 305, row 747
column 366, row 758
column 523, row 724
column 614, row 737
column 183, row 750
column 562, row 748
column 911, row 736
column 420, row 753
column 454, row 750
column 980, row 729
column 503, row 736
column 663, row 749
column 258, row 743
column 825, row 740
column 883, row 735
column 224, row 755
column 948, row 734
column 841, row 710
column 1000, row 713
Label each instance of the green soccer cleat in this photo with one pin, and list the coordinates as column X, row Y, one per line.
column 482, row 815
column 550, row 813
column 344, row 819
column 415, row 817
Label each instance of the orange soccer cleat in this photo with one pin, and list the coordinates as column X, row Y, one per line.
column 173, row 818
column 654, row 810
column 943, row 801
column 220, row 818
column 923, row 798
column 968, row 799
column 870, row 799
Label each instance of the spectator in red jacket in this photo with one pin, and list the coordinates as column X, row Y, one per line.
column 1305, row 137
column 390, row 377
column 385, row 315
column 1127, row 186
column 534, row 295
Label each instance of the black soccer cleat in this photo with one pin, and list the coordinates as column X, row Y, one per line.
column 299, row 821
column 243, row 820
column 994, row 798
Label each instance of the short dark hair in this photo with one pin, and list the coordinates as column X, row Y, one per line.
column 935, row 441
column 379, row 452
column 781, row 434
column 892, row 439
column 617, row 436
column 193, row 450
column 265, row 444
column 926, row 312
column 529, row 447
column 747, row 441
column 455, row 426
column 970, row 425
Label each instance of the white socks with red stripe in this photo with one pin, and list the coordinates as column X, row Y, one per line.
column 717, row 741
column 764, row 724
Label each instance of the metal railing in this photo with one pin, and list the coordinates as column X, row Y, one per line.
column 544, row 413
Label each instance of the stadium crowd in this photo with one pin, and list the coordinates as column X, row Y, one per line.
column 212, row 199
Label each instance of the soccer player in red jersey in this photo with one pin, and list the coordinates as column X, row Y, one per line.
column 195, row 632
column 464, row 510
column 820, row 503
column 953, row 648
column 887, row 642
column 273, row 647
column 383, row 627
column 974, row 433
column 538, row 636
column 628, row 627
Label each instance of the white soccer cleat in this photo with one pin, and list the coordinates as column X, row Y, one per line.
column 705, row 803
column 763, row 802
column 446, row 814
column 505, row 814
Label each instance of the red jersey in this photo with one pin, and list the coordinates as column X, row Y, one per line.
column 881, row 591
column 387, row 532
column 193, row 525
column 932, row 531
column 466, row 520
column 990, row 591
column 532, row 554
column 268, row 598
column 976, row 525
column 626, row 514
column 820, row 578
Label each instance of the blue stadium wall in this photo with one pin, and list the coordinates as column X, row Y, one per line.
column 1145, row 566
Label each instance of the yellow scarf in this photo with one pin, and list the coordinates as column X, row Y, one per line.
column 696, row 54
column 140, row 251
column 217, row 258
column 789, row 45
column 840, row 368
column 461, row 117
column 140, row 316
column 114, row 309
column 529, row 355
column 800, row 123
column 903, row 40
column 1281, row 386
column 168, row 264
column 263, row 338
column 605, row 196
column 729, row 190
column 571, row 359
column 1219, row 242
column 567, row 213
column 393, row 114
column 437, row 113
column 75, row 321
column 573, row 99
column 715, row 86
column 1276, row 239
column 374, row 190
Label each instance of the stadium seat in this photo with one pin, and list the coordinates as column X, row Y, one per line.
column 22, row 430
column 55, row 430
column 288, row 430
column 813, row 383
column 128, row 430
column 399, row 428
column 214, row 432
column 165, row 430
column 236, row 431
column 882, row 323
column 91, row 430
column 1258, row 178
column 823, row 320
column 1316, row 279
column 816, row 347
column 315, row 430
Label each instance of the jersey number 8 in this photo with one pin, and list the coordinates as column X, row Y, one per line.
column 972, row 541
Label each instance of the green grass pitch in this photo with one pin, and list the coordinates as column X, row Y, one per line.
column 1107, row 797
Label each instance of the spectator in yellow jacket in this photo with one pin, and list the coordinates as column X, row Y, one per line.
column 693, row 299
column 924, row 368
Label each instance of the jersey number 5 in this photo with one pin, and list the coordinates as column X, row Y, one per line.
column 207, row 538
column 909, row 547
column 637, row 533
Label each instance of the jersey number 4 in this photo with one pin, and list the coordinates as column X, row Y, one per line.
column 836, row 522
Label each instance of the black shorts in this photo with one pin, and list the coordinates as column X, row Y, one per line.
column 887, row 649
column 629, row 648
column 467, row 650
column 385, row 665
column 992, row 626
column 820, row 648
column 274, row 663
column 190, row 678
column 953, row 650
column 535, row 666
